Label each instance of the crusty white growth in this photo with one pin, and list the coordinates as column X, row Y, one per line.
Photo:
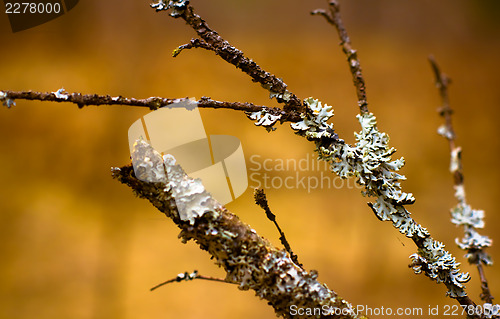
column 148, row 163
column 370, row 162
column 191, row 198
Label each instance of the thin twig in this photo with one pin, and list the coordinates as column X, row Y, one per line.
column 188, row 277
column 442, row 82
column 333, row 17
column 261, row 200
column 194, row 43
column 152, row 103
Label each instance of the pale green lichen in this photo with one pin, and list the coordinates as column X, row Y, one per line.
column 439, row 265
column 280, row 96
column 313, row 124
column 61, row 94
column 491, row 310
column 264, row 119
column 370, row 162
column 444, row 131
column 8, row 102
column 471, row 220
column 463, row 214
column 177, row 6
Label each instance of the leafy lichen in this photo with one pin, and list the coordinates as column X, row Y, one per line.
column 61, row 94
column 313, row 124
column 264, row 119
column 177, row 6
column 370, row 162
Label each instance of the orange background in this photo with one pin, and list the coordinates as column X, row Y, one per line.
column 77, row 244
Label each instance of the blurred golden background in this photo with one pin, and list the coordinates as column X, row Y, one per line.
column 77, row 244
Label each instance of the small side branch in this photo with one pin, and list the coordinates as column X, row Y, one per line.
column 194, row 43
column 188, row 277
column 334, row 18
column 462, row 214
column 261, row 200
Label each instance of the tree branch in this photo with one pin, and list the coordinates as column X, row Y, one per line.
column 463, row 215
column 432, row 259
column 152, row 103
column 248, row 259
column 212, row 41
column 333, row 17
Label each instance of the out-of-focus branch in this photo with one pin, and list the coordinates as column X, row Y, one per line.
column 211, row 40
column 462, row 214
column 333, row 17
column 152, row 103
column 248, row 259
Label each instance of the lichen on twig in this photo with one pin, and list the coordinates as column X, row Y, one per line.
column 8, row 97
column 369, row 161
column 249, row 260
column 186, row 276
column 211, row 40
